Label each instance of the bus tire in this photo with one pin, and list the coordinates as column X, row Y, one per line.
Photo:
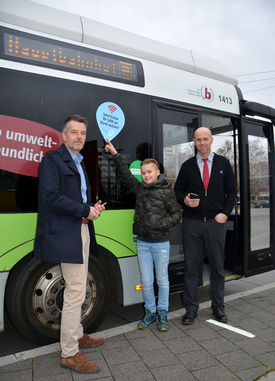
column 34, row 298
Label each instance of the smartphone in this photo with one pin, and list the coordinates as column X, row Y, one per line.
column 194, row 195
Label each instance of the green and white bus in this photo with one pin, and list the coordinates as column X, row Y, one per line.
column 54, row 64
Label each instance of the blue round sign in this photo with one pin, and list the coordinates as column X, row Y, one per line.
column 110, row 119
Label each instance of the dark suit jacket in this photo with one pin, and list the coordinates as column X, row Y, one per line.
column 61, row 209
column 221, row 192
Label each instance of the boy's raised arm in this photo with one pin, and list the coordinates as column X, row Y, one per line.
column 110, row 148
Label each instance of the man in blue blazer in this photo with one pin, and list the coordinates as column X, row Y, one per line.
column 65, row 235
column 206, row 189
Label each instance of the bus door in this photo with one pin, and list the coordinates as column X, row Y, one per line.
column 257, row 195
column 174, row 133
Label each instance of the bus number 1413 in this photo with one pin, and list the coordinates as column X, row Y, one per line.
column 225, row 99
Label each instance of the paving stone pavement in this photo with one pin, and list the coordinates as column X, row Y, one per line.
column 203, row 351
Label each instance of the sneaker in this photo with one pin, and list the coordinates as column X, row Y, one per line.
column 148, row 319
column 163, row 321
column 79, row 364
column 87, row 342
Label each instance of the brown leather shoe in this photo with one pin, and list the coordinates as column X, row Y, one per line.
column 87, row 342
column 79, row 364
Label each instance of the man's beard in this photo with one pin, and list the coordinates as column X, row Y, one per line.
column 77, row 148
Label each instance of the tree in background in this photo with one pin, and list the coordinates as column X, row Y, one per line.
column 258, row 165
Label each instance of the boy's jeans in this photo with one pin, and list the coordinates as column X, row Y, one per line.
column 150, row 255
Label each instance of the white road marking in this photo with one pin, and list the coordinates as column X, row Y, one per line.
column 231, row 328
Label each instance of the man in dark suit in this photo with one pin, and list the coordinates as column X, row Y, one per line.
column 65, row 235
column 211, row 177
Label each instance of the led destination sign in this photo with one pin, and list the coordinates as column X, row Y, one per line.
column 55, row 54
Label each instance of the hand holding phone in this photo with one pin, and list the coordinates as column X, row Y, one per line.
column 192, row 200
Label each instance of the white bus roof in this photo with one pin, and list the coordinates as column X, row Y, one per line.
column 41, row 18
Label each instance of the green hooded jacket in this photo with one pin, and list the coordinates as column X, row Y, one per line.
column 157, row 209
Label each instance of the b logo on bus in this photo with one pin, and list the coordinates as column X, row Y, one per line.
column 207, row 94
column 23, row 143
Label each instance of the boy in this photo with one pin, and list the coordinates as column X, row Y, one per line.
column 156, row 212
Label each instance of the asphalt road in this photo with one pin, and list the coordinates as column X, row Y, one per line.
column 12, row 342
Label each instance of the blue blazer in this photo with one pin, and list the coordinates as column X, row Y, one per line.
column 61, row 209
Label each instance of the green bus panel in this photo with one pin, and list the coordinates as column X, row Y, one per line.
column 19, row 231
column 114, row 231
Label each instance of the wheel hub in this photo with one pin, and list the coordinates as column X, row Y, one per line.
column 48, row 297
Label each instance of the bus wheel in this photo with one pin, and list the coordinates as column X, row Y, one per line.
column 34, row 298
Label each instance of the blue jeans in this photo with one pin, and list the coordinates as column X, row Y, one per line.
column 152, row 254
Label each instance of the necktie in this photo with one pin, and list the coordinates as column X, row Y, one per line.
column 205, row 174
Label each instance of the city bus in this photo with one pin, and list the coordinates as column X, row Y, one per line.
column 148, row 98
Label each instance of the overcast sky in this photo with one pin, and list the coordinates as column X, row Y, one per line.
column 238, row 33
